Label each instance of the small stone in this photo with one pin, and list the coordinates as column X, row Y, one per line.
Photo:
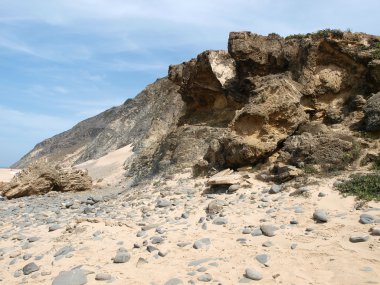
column 220, row 221
column 375, row 231
column 33, row 239
column 268, row 230
column 321, row 194
column 247, row 231
column 103, row 277
column 202, row 243
column 151, row 248
column 122, row 256
column 366, row 219
column 141, row 234
column 174, row 281
column 275, row 189
column 267, row 244
column 185, row 215
column 63, row 251
column 233, row 188
column 163, row 203
column 205, row 277
column 53, row 228
column 293, row 246
column 262, row 258
column 320, row 216
column 294, row 222
column 253, row 274
column 359, row 238
column 163, row 253
column 141, row 262
column 256, row 232
column 30, row 268
column 27, row 256
column 157, row 240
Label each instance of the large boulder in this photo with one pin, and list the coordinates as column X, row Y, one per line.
column 42, row 177
column 325, row 149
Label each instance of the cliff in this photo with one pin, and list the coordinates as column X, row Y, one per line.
column 311, row 101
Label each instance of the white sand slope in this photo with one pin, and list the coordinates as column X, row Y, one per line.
column 6, row 174
column 108, row 168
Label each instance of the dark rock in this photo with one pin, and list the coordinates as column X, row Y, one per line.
column 30, row 268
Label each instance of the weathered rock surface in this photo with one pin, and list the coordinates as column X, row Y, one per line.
column 42, row 177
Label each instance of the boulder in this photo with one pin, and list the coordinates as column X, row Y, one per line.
column 42, row 177
column 372, row 113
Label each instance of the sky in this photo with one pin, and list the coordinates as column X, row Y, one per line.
column 62, row 61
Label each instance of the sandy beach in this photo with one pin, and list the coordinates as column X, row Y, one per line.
column 167, row 236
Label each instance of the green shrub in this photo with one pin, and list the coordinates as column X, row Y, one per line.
column 311, row 169
column 336, row 33
column 364, row 187
column 297, row 36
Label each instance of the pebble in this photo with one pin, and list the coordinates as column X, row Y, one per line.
column 262, row 258
column 163, row 203
column 320, row 216
column 53, row 228
column 122, row 256
column 33, row 239
column 174, row 281
column 205, row 277
column 267, row 244
column 103, row 277
column 275, row 189
column 359, row 238
column 233, row 188
column 202, row 243
column 253, row 274
column 151, row 248
column 220, row 221
column 256, row 232
column 375, row 231
column 268, row 230
column 156, row 240
column 76, row 276
column 30, row 268
column 63, row 251
column 366, row 219
column 246, row 231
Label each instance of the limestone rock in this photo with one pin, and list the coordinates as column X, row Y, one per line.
column 42, row 177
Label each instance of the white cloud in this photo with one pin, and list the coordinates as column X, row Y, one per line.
column 18, row 121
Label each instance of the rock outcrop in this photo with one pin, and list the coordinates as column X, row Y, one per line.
column 41, row 178
column 297, row 100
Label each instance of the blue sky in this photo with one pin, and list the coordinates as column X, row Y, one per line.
column 62, row 61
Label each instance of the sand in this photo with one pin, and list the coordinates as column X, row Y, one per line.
column 109, row 168
column 322, row 256
column 6, row 174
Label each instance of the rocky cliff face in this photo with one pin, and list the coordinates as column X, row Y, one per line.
column 300, row 100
